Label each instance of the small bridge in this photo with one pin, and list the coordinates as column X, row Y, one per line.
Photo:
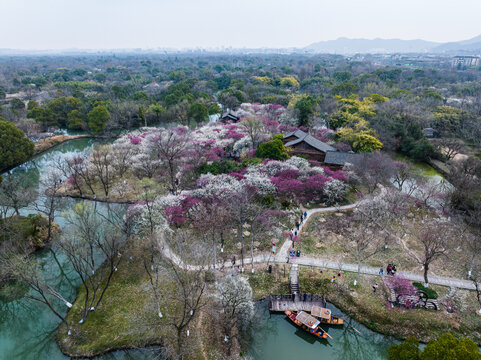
column 295, row 301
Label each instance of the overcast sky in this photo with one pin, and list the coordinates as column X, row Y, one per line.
column 108, row 24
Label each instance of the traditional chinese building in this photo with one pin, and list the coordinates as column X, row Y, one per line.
column 229, row 116
column 306, row 145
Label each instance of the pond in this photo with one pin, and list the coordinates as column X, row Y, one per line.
column 28, row 329
column 276, row 338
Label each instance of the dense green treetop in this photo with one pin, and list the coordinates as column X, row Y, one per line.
column 15, row 147
column 446, row 347
column 273, row 149
column 98, row 117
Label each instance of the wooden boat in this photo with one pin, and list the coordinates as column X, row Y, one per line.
column 307, row 323
column 324, row 315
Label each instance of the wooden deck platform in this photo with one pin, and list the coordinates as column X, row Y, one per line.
column 282, row 303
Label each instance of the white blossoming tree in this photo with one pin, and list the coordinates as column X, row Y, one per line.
column 235, row 296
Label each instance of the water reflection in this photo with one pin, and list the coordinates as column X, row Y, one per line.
column 280, row 339
column 28, row 329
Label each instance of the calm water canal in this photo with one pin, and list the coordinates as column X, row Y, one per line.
column 279, row 339
column 27, row 329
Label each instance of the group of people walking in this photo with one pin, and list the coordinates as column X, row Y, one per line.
column 299, row 222
column 390, row 270
column 295, row 231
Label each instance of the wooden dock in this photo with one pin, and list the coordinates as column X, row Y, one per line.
column 286, row 302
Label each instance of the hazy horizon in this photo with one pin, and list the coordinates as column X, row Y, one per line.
column 150, row 24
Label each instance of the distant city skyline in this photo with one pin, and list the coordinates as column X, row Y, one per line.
column 150, row 24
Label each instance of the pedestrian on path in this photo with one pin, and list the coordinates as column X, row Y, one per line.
column 304, row 296
column 297, row 225
column 305, row 215
column 381, row 272
column 233, row 260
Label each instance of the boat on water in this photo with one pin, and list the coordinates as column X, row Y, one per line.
column 325, row 317
column 307, row 323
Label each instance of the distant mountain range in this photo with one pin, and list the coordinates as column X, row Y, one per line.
column 345, row 46
column 341, row 46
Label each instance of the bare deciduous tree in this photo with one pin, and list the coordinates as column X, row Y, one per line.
column 449, row 147
column 89, row 235
column 254, row 128
column 16, row 192
column 102, row 165
column 363, row 233
column 49, row 202
column 26, row 269
column 435, row 238
column 182, row 267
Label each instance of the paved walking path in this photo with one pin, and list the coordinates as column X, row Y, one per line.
column 283, row 255
column 329, row 264
column 284, row 251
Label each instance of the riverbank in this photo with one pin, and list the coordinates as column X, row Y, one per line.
column 125, row 319
column 48, row 143
column 22, row 235
column 125, row 190
column 372, row 309
column 127, row 316
column 30, row 233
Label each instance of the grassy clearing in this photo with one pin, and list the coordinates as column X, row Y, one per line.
column 126, row 317
column 264, row 283
column 322, row 238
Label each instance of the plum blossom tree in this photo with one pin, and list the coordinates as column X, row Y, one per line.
column 170, row 148
column 254, row 128
column 334, row 191
column 235, row 296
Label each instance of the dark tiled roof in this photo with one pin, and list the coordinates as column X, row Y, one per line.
column 230, row 114
column 310, row 140
column 297, row 133
column 341, row 158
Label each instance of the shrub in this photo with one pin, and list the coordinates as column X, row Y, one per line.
column 273, row 149
column 429, row 292
column 218, row 167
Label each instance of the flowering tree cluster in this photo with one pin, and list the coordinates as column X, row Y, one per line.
column 400, row 285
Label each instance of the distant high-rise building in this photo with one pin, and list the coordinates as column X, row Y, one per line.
column 466, row 61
